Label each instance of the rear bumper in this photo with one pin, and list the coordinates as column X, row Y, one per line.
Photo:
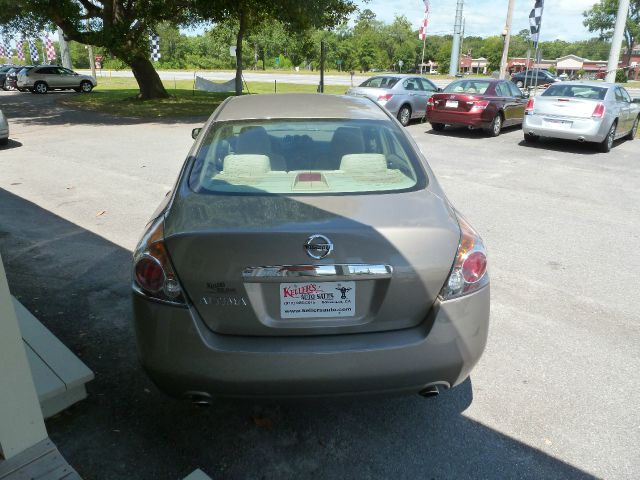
column 480, row 119
column 181, row 355
column 587, row 129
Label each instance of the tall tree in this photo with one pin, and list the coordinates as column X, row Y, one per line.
column 294, row 14
column 120, row 26
column 602, row 18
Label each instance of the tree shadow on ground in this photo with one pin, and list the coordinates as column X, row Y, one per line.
column 32, row 109
column 78, row 284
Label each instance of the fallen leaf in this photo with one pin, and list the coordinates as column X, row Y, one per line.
column 16, row 183
column 100, row 213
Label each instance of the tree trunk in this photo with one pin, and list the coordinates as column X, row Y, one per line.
column 148, row 79
column 241, row 30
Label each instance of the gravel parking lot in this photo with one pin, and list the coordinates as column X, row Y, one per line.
column 555, row 395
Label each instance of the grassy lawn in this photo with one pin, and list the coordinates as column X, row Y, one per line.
column 117, row 96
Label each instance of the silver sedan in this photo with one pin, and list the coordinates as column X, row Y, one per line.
column 4, row 129
column 405, row 96
column 584, row 111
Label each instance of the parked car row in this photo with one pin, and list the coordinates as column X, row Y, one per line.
column 42, row 78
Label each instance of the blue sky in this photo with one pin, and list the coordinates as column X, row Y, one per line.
column 562, row 19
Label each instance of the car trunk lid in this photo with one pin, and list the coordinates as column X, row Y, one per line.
column 454, row 102
column 569, row 107
column 242, row 258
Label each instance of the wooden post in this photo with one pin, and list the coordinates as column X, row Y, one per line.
column 21, row 423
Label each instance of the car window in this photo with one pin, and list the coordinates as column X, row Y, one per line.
column 311, row 156
column 380, row 82
column 468, row 86
column 576, row 91
column 619, row 96
column 502, row 90
column 427, row 85
column 515, row 91
column 626, row 95
column 411, row 84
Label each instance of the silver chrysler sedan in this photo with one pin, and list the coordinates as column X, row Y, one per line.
column 405, row 96
column 584, row 111
column 307, row 252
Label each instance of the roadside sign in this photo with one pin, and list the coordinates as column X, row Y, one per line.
column 99, row 59
column 232, row 50
column 339, row 61
column 277, row 61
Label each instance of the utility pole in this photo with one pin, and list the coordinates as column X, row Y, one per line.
column 321, row 88
column 455, row 46
column 507, row 38
column 92, row 61
column 64, row 50
column 616, row 41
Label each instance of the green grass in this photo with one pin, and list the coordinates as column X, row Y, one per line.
column 117, row 96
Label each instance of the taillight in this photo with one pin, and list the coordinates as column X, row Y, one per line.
column 528, row 110
column 598, row 112
column 385, row 98
column 479, row 104
column 431, row 101
column 469, row 272
column 153, row 274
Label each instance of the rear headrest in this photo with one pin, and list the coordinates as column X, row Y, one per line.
column 364, row 163
column 254, row 140
column 246, row 165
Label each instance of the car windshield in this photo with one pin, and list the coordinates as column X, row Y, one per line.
column 468, row 86
column 310, row 156
column 380, row 82
column 576, row 91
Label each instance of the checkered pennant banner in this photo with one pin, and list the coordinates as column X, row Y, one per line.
column 154, row 46
column 51, row 51
column 535, row 19
column 422, row 35
column 33, row 51
column 20, row 50
column 3, row 50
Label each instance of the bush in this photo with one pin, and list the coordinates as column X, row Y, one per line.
column 621, row 76
column 114, row 64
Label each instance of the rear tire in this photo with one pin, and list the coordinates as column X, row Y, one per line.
column 404, row 115
column 634, row 129
column 438, row 127
column 495, row 127
column 41, row 88
column 606, row 145
column 519, row 84
column 4, row 141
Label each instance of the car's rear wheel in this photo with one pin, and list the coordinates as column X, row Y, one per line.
column 4, row 141
column 634, row 129
column 86, row 86
column 519, row 84
column 606, row 145
column 404, row 115
column 438, row 127
column 40, row 87
column 495, row 127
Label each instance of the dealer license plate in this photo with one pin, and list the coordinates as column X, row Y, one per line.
column 552, row 122
column 451, row 104
column 317, row 299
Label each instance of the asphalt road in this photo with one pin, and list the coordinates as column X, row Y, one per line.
column 555, row 395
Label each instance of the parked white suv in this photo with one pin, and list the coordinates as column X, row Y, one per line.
column 43, row 78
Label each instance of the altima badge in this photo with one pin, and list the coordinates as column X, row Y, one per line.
column 318, row 246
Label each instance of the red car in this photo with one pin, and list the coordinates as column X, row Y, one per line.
column 477, row 103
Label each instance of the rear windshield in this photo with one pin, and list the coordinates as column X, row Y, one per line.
column 380, row 82
column 291, row 157
column 576, row 91
column 467, row 86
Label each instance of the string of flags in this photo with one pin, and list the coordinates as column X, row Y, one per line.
column 422, row 35
column 154, row 46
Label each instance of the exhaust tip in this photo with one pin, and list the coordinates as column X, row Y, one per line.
column 581, row 139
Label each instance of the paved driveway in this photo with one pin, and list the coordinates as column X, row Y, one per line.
column 555, row 395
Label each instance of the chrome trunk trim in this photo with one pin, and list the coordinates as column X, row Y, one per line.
column 281, row 273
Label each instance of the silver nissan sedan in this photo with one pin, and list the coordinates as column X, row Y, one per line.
column 307, row 250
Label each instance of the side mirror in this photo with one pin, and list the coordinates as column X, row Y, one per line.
column 195, row 132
